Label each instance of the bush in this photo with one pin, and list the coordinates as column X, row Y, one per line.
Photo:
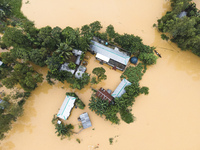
column 72, row 65
column 126, row 116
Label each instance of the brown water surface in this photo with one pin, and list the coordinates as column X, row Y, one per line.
column 166, row 119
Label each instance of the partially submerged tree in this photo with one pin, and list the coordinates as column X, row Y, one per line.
column 63, row 130
column 100, row 73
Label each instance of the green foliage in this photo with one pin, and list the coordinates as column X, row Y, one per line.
column 98, row 106
column 54, row 62
column 78, row 140
column 148, row 59
column 133, row 74
column 184, row 31
column 72, row 65
column 70, row 36
column 25, row 76
column 93, row 80
column 64, row 51
column 111, row 31
column 144, row 90
column 63, row 130
column 95, row 27
column 126, row 116
column 15, row 37
column 8, row 58
column 38, row 56
column 164, row 37
column 80, row 83
column 111, row 140
column 46, row 39
column 100, row 73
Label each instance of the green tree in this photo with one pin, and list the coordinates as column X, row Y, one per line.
column 38, row 56
column 72, row 65
column 63, row 130
column 95, row 27
column 98, row 106
column 148, row 59
column 25, row 76
column 133, row 74
column 46, row 39
column 64, row 51
column 15, row 37
column 70, row 36
column 54, row 62
column 100, row 73
column 8, row 58
column 126, row 116
column 111, row 31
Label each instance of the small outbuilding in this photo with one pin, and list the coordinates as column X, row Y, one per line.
column 66, row 107
column 120, row 90
column 104, row 95
column 85, row 120
column 80, row 71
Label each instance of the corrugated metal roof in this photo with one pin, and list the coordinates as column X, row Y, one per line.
column 110, row 53
column 85, row 120
column 80, row 71
column 119, row 91
column 66, row 107
column 65, row 67
column 77, row 52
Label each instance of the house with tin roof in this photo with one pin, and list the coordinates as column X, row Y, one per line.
column 85, row 120
column 120, row 90
column 104, row 95
column 112, row 57
column 66, row 107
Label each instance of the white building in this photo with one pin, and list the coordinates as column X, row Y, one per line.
column 66, row 107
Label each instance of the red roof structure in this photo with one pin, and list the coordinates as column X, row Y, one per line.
column 104, row 95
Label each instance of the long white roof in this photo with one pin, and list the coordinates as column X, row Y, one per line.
column 119, row 91
column 109, row 53
column 66, row 107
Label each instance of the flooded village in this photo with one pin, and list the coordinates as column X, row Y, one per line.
column 167, row 118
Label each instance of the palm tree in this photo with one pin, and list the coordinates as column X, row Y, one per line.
column 64, row 130
column 64, row 51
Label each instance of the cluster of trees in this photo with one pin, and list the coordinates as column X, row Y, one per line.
column 11, row 107
column 62, row 130
column 185, row 31
column 100, row 75
column 121, row 104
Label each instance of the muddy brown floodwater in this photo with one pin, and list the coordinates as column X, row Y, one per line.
column 166, row 119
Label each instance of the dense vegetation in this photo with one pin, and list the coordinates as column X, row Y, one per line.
column 183, row 30
column 122, row 104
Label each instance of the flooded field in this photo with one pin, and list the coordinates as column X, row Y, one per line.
column 166, row 119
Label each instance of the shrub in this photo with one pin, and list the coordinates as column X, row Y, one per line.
column 72, row 65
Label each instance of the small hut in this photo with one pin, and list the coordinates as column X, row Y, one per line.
column 66, row 107
column 182, row 14
column 85, row 120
